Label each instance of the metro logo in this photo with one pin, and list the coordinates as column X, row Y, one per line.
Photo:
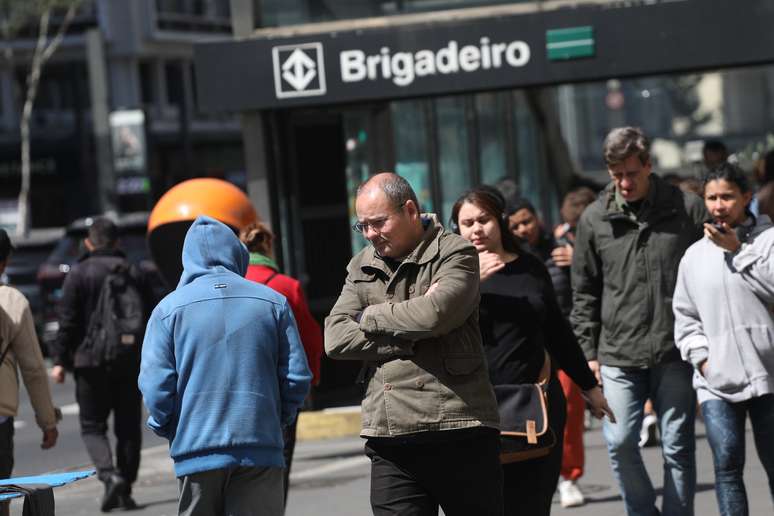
column 299, row 70
column 403, row 67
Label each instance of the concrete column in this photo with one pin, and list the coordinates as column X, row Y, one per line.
column 125, row 83
column 159, row 87
column 253, row 138
column 98, row 90
column 242, row 17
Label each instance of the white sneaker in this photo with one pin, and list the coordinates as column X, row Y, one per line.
column 570, row 495
column 588, row 420
column 649, row 431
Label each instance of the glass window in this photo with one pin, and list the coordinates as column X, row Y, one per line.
column 193, row 15
column 411, row 148
column 453, row 160
column 217, row 8
column 678, row 112
column 526, row 143
column 357, row 168
column 435, row 5
column 535, row 182
column 147, row 76
column 173, row 74
column 277, row 13
column 492, row 136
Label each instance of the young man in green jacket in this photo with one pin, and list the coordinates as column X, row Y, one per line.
column 409, row 309
column 627, row 250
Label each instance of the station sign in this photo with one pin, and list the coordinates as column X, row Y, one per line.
column 440, row 57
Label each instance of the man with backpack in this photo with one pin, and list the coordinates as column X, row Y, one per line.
column 102, row 317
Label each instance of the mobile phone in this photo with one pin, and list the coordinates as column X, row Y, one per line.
column 719, row 226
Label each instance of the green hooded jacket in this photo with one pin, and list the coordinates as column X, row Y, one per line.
column 624, row 274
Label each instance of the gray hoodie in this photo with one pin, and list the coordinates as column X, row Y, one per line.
column 722, row 307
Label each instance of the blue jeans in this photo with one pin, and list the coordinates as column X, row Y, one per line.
column 669, row 388
column 725, row 433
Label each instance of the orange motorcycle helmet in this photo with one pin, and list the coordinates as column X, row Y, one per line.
column 178, row 208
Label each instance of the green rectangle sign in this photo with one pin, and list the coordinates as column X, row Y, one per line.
column 570, row 43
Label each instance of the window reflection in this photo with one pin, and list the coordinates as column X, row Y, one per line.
column 453, row 162
column 278, row 13
column 412, row 160
column 491, row 112
column 356, row 142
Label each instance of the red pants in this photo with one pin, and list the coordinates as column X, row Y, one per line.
column 573, row 456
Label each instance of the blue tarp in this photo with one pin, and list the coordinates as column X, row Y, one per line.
column 52, row 479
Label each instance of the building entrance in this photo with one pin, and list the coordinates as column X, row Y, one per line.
column 314, row 222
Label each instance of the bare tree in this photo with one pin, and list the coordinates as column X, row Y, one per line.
column 15, row 15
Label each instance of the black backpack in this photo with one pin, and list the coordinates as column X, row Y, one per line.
column 117, row 325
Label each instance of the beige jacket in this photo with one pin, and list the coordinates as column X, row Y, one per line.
column 18, row 330
column 427, row 366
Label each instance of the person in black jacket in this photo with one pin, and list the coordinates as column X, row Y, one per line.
column 524, row 223
column 628, row 247
column 520, row 320
column 100, row 388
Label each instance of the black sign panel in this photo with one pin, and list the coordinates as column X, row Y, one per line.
column 482, row 54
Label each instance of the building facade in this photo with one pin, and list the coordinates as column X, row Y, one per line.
column 117, row 58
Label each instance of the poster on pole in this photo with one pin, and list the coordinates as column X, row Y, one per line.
column 127, row 133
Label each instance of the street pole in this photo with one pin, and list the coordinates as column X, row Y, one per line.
column 100, row 111
column 243, row 16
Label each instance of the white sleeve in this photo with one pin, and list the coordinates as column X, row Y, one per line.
column 689, row 330
column 755, row 263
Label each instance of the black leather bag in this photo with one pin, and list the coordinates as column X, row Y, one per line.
column 525, row 433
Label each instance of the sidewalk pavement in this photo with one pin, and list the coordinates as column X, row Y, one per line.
column 331, row 477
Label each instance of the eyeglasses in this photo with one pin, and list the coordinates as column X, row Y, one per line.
column 376, row 224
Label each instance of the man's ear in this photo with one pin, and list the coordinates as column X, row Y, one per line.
column 88, row 244
column 413, row 209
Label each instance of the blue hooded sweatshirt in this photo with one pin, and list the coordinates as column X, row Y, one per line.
column 222, row 364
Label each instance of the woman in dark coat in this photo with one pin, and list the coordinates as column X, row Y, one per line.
column 520, row 320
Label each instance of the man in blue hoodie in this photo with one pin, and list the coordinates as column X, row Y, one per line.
column 223, row 369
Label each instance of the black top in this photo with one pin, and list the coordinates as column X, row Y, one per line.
column 520, row 318
column 80, row 293
column 560, row 276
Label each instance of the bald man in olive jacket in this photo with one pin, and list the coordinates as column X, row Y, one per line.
column 409, row 309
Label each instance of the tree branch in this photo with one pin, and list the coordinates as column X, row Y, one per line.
column 54, row 43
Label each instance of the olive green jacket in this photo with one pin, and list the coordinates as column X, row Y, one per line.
column 427, row 366
column 624, row 274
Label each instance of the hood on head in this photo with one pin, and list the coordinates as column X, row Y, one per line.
column 209, row 247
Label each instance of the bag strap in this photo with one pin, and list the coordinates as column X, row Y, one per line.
column 545, row 371
column 97, row 313
column 5, row 352
column 267, row 280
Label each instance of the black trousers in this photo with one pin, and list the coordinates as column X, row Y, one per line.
column 6, row 457
column 528, row 486
column 100, row 391
column 463, row 476
column 289, row 437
